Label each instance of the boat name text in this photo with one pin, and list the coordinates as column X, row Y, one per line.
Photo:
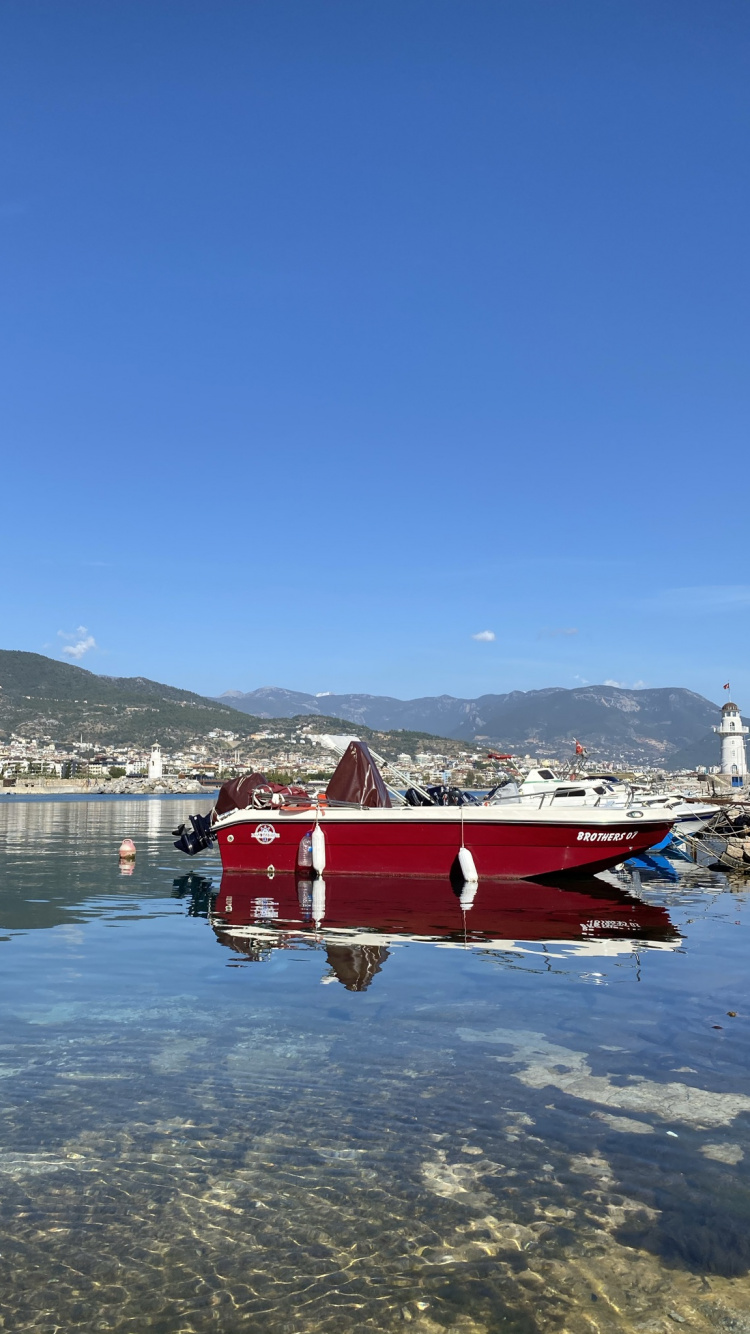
column 605, row 836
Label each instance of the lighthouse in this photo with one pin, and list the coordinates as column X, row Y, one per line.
column 154, row 762
column 732, row 733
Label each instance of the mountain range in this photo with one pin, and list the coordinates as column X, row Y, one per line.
column 670, row 726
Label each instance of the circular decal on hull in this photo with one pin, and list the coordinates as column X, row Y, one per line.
column 265, row 833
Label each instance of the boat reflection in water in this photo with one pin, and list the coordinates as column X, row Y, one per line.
column 358, row 920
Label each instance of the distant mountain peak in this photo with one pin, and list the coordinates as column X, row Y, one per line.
column 620, row 724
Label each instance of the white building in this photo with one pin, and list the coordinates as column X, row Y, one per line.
column 732, row 733
column 155, row 767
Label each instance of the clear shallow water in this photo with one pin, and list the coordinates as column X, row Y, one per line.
column 225, row 1120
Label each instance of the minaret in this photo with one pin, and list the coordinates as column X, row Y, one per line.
column 732, row 733
column 154, row 762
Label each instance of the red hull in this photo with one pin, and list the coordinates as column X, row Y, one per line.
column 507, row 848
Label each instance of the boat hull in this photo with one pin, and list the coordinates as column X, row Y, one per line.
column 426, row 842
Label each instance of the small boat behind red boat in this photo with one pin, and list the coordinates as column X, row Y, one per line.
column 355, row 829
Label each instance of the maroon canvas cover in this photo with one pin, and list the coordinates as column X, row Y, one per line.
column 358, row 779
column 237, row 793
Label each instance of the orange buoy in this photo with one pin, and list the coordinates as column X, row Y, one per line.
column 127, row 850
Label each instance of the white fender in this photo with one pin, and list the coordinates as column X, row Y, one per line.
column 318, row 900
column 467, row 865
column 318, row 842
column 468, row 894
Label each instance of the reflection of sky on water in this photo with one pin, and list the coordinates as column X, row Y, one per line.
column 532, row 1115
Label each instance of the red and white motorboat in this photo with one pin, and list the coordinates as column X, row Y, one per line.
column 356, row 830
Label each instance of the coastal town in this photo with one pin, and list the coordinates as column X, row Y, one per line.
column 39, row 763
column 299, row 754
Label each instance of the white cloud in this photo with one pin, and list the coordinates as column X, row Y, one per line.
column 82, row 642
column 619, row 684
column 484, row 636
column 623, row 685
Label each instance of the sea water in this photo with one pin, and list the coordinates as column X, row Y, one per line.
column 207, row 1127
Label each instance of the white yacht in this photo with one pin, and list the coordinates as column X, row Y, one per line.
column 542, row 787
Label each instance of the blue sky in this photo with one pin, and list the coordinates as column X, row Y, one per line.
column 336, row 333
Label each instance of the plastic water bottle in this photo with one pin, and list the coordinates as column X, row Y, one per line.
column 304, row 852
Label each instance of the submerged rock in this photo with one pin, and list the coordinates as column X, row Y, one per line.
column 723, row 1153
column 548, row 1064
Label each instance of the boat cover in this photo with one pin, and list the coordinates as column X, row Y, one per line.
column 358, row 779
column 237, row 793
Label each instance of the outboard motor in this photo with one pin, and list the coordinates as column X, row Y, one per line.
column 197, row 839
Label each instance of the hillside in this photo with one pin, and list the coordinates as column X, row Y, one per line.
column 634, row 726
column 40, row 697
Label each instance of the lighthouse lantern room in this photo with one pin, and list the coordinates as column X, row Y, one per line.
column 732, row 733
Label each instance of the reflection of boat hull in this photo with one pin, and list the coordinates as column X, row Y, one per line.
column 425, row 841
column 427, row 908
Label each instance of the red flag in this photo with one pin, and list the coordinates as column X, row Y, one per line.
column 579, row 749
column 726, row 687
